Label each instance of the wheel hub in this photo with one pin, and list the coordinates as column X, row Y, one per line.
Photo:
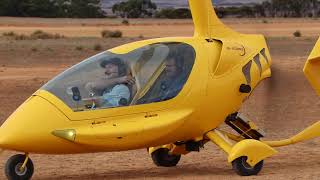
column 245, row 164
column 19, row 170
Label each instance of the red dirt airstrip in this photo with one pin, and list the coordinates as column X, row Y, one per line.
column 282, row 106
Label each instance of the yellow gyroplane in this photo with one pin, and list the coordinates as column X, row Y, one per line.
column 169, row 95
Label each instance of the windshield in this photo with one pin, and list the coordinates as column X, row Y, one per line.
column 153, row 73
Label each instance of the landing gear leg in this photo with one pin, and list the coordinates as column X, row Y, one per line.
column 246, row 156
column 18, row 167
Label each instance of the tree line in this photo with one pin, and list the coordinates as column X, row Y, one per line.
column 275, row 8
column 147, row 8
column 269, row 8
column 52, row 8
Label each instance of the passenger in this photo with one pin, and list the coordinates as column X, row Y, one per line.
column 114, row 87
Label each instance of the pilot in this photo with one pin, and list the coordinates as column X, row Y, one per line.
column 169, row 84
column 114, row 87
column 172, row 82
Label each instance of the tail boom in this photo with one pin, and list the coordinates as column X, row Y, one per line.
column 307, row 134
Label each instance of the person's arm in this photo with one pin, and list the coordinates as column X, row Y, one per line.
column 104, row 83
column 101, row 84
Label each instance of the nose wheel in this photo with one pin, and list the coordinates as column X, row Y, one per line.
column 244, row 169
column 19, row 167
column 162, row 157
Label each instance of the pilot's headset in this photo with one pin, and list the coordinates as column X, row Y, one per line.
column 122, row 67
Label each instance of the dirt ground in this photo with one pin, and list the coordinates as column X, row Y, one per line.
column 281, row 106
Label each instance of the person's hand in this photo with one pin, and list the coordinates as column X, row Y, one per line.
column 131, row 81
column 127, row 80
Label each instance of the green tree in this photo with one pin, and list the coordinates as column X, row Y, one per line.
column 62, row 8
column 52, row 8
column 170, row 13
column 135, row 8
column 12, row 7
column 40, row 8
column 86, row 9
column 259, row 11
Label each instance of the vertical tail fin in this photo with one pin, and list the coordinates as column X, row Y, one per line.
column 206, row 22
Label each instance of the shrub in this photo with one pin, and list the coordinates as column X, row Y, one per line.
column 141, row 36
column 97, row 47
column 297, row 34
column 34, row 49
column 111, row 34
column 21, row 37
column 9, row 34
column 265, row 21
column 79, row 48
column 35, row 35
column 125, row 22
column 38, row 34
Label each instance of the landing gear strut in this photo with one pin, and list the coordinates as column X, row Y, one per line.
column 19, row 167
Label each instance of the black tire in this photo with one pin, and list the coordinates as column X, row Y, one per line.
column 242, row 168
column 161, row 157
column 12, row 168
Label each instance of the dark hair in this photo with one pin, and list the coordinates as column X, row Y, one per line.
column 118, row 62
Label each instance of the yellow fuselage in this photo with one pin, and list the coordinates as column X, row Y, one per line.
column 224, row 61
column 209, row 96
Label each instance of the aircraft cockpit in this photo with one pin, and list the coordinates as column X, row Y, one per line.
column 149, row 74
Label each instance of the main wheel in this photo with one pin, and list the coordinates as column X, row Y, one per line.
column 161, row 157
column 13, row 169
column 242, row 168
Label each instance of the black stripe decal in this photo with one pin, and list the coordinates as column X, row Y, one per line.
column 257, row 61
column 263, row 53
column 246, row 71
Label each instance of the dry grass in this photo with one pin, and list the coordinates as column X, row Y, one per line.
column 155, row 28
column 37, row 34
